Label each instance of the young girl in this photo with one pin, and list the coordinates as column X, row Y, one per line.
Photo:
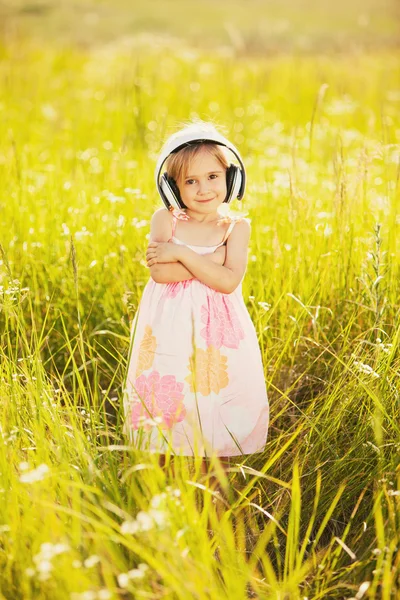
column 195, row 381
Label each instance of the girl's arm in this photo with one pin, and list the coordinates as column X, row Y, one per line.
column 223, row 279
column 171, row 272
column 174, row 272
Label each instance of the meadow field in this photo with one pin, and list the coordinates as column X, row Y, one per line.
column 310, row 94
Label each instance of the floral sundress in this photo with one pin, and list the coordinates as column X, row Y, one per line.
column 195, row 379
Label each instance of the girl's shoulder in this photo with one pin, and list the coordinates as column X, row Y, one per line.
column 238, row 231
column 241, row 218
column 162, row 216
column 160, row 225
column 162, row 211
column 243, row 223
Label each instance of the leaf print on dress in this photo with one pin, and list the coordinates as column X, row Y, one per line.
column 208, row 371
column 146, row 351
column 222, row 326
column 162, row 397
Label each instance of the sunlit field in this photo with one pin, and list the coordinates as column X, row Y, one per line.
column 83, row 514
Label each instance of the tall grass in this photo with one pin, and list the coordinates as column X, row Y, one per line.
column 82, row 513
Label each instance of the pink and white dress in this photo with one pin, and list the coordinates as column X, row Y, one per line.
column 195, row 379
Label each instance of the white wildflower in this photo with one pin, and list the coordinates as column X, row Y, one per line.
column 265, row 305
column 129, row 527
column 145, row 521
column 35, row 475
column 375, row 448
column 135, row 574
column 49, row 550
column 114, row 199
column 157, row 500
column 123, row 580
column 91, row 561
column 158, row 517
column 49, row 112
column 362, row 589
column 384, row 347
column 139, row 224
column 83, row 233
column 340, row 106
column 327, row 229
column 77, row 564
column 364, row 368
column 44, row 557
column 44, row 569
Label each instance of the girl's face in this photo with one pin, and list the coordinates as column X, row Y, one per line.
column 203, row 189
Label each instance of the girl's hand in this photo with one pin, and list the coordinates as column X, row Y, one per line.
column 161, row 252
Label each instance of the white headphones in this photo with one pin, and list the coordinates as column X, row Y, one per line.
column 167, row 186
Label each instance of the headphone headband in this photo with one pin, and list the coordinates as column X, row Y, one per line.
column 186, row 138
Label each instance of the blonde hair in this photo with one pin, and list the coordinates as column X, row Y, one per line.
column 178, row 164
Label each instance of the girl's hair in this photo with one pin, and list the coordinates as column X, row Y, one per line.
column 178, row 164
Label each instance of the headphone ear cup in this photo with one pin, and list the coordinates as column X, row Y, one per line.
column 175, row 189
column 233, row 182
column 170, row 190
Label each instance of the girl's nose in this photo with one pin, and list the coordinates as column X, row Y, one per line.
column 203, row 187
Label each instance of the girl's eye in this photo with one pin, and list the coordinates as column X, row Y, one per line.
column 189, row 180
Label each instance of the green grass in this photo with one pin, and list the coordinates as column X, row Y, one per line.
column 317, row 514
column 254, row 26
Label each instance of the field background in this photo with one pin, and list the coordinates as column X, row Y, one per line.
column 310, row 93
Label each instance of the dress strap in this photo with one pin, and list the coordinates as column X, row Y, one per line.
column 173, row 225
column 231, row 226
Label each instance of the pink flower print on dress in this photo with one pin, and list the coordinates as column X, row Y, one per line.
column 174, row 288
column 162, row 397
column 222, row 326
